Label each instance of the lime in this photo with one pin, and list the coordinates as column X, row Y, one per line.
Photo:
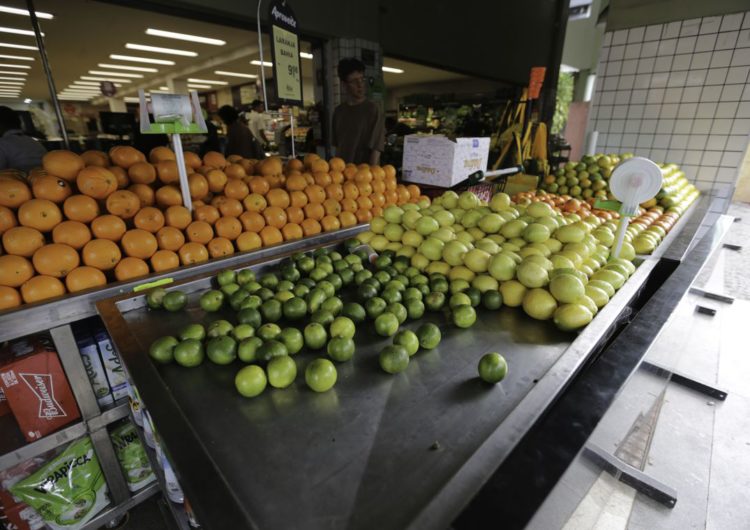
column 265, row 293
column 250, row 316
column 475, row 295
column 492, row 368
column 306, row 264
column 335, row 280
column 382, row 277
column 283, row 296
column 292, row 339
column 415, row 309
column 281, row 371
column 382, row 262
column 226, row 277
column 347, row 276
column 294, row 308
column 252, row 286
column 394, row 359
column 189, row 353
column 399, row 310
column 250, row 381
column 162, row 349
column 492, row 300
column 307, row 282
column 459, row 299
column 340, row 349
column 245, row 276
column 212, row 300
column 290, row 273
column 386, row 325
column 155, row 297
column 366, row 291
column 434, row 301
column 174, row 301
column 320, row 375
column 318, row 273
column 269, row 331
column 354, row 311
column 333, row 305
column 222, row 350
column 391, row 295
column 270, row 349
column 193, row 331
column 440, row 285
column 247, row 349
column 375, row 307
column 315, row 299
column 412, row 293
column 464, row 316
column 322, row 317
column 251, row 302
column 429, row 336
column 408, row 339
column 219, row 328
column 315, row 336
column 243, row 331
column 340, row 265
column 342, row 327
column 361, row 276
column 269, row 280
column 271, row 310
column 237, row 299
column 229, row 289
column 350, row 244
column 327, row 287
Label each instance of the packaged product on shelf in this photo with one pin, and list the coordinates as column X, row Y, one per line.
column 148, row 430
column 95, row 370
column 174, row 491
column 69, row 490
column 132, row 456
column 23, row 517
column 135, row 405
column 14, row 474
column 112, row 365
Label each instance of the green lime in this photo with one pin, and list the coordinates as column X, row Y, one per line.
column 251, row 302
column 320, row 375
column 212, row 300
column 340, row 265
column 174, row 301
column 334, row 305
column 424, row 289
column 270, row 349
column 354, row 311
column 365, row 292
column 350, row 244
column 265, row 293
column 394, row 359
column 282, row 371
column 352, row 259
column 375, row 307
column 245, row 276
column 440, row 285
column 382, row 262
column 391, row 295
column 399, row 310
column 284, row 285
column 307, row 282
column 283, row 296
column 459, row 286
column 318, row 273
column 374, row 283
column 459, row 299
column 492, row 300
column 247, row 349
column 315, row 336
column 294, row 308
column 162, row 349
column 292, row 339
column 193, row 331
column 382, row 277
column 253, row 287
column 155, row 297
column 219, row 328
column 306, row 264
column 238, row 298
column 347, row 276
column 492, row 367
column 222, row 350
column 189, row 353
column 335, row 280
column 412, row 293
column 269, row 280
column 429, row 336
column 322, row 317
column 361, row 276
column 415, row 309
column 464, row 316
column 434, row 301
column 271, row 310
column 268, row 331
column 475, row 295
column 340, row 349
column 226, row 277
column 230, row 288
column 243, row 331
column 290, row 273
column 250, row 381
column 315, row 299
column 386, row 325
column 411, row 272
column 399, row 283
column 300, row 290
column 342, row 327
column 250, row 316
column 408, row 339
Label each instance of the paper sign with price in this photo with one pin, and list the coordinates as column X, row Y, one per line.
column 285, row 50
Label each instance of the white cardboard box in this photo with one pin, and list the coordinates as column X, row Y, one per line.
column 439, row 161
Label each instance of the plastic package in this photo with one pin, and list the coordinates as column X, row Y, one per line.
column 132, row 456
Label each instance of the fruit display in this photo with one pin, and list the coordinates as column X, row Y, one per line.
column 85, row 220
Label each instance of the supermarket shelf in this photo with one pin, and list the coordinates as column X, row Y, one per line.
column 34, row 318
column 61, row 437
column 113, row 512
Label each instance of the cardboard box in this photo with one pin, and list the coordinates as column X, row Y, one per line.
column 118, row 382
column 439, row 161
column 95, row 370
column 38, row 394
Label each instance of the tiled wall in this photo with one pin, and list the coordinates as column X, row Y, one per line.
column 677, row 92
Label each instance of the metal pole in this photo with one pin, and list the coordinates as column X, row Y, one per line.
column 291, row 121
column 48, row 72
column 260, row 51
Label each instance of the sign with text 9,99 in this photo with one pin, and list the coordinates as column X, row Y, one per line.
column 287, row 71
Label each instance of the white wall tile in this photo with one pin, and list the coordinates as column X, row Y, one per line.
column 663, row 63
column 626, row 83
column 727, row 40
column 690, row 27
column 617, row 126
column 613, row 68
column 677, row 79
column 727, row 109
column 614, row 140
column 649, row 49
column 716, row 142
column 707, row 172
column 653, row 32
column 743, row 110
column 746, row 22
column 635, row 112
column 731, row 22
column 622, row 97
column 687, row 111
column 702, row 126
column 620, row 37
column 632, row 126
column 741, row 57
column 636, row 34
column 607, row 98
column 667, row 47
column 658, row 155
column 710, row 25
column 711, row 158
column 638, row 96
column 602, row 125
column 679, row 141
column 652, row 109
column 610, row 83
column 701, row 60
column 741, row 126
column 648, row 126
column 722, row 126
column 682, row 62
column 665, row 128
column 743, row 41
column 696, row 78
column 707, row 107
column 716, row 76
column 731, row 93
column 642, row 81
column 672, row 95
column 697, row 142
column 659, row 80
column 726, row 175
column 605, row 112
column 738, row 75
column 628, row 140
column 693, row 157
column 607, row 39
column 645, row 141
column 705, row 43
column 616, row 53
column 686, row 44
column 676, row 156
column 620, row 112
column 732, row 158
column 671, row 30
column 746, row 92
column 710, row 93
column 669, row 110
column 691, row 94
column 629, row 67
column 645, row 65
column 633, row 51
column 602, row 140
column 737, row 142
column 721, row 58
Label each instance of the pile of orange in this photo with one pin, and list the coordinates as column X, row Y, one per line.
column 85, row 220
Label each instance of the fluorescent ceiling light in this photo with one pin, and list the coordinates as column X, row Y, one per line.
column 9, row 91
column 11, row 72
column 94, row 83
column 207, row 81
column 13, row 82
column 16, row 31
column 126, row 67
column 199, row 86
column 235, row 74
column 89, row 78
column 157, row 49
column 306, row 55
column 13, row 78
column 183, row 36
column 163, row 88
column 82, row 88
column 27, row 100
column 265, row 63
column 19, row 66
column 17, row 46
column 85, row 84
column 134, row 59
column 115, row 74
column 131, row 100
column 392, row 70
column 16, row 11
column 568, row 69
column 17, row 57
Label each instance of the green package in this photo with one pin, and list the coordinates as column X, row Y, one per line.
column 132, row 456
column 69, row 490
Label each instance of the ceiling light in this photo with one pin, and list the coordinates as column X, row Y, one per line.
column 199, row 86
column 132, row 100
column 265, row 63
column 72, row 98
column 157, row 49
column 207, row 81
column 75, row 88
column 184, row 36
column 115, row 74
column 17, row 57
column 9, row 91
column 163, row 88
column 86, row 84
column 126, row 67
column 13, row 78
column 134, row 59
column 16, row 31
column 13, row 82
column 17, row 46
column 27, row 100
column 306, row 55
column 235, row 74
column 20, row 66
column 392, row 70
column 10, row 72
column 16, row 11
column 89, row 78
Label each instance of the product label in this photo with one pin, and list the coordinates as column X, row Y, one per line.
column 43, row 388
column 132, row 457
column 95, row 370
column 112, row 365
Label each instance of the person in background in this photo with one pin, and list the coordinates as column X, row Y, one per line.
column 211, row 143
column 239, row 137
column 358, row 124
column 17, row 150
column 257, row 121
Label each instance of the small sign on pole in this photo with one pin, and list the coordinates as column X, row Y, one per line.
column 287, row 70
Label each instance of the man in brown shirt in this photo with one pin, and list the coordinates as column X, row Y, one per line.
column 358, row 124
column 239, row 138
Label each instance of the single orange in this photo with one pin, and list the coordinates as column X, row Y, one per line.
column 248, row 241
column 217, row 179
column 252, row 221
column 278, row 197
column 349, row 205
column 414, row 192
column 349, row 171
column 378, row 199
column 296, row 183
column 390, row 184
column 315, row 193
column 319, row 165
column 145, row 194
column 259, row 185
column 310, row 227
column 123, row 203
column 9, row 298
column 63, row 164
column 363, row 215
column 130, row 268
column 377, row 173
column 294, row 214
column 149, row 219
column 351, row 191
column 219, row 247
column 161, row 153
column 378, row 186
column 347, row 219
column 310, row 158
column 15, row 270
column 7, row 219
column 102, row 254
column 215, row 159
column 391, row 197
column 72, row 233
column 227, row 227
column 164, row 260
column 22, row 241
column 51, row 188
column 170, row 238
column 41, row 214
column 96, row 182
column 332, row 206
column 192, row 160
column 377, row 211
column 236, row 189
column 364, row 203
column 199, row 232
column 390, row 171
column 109, row 227
column 168, row 196
column 322, row 179
column 334, row 191
column 330, row 223
column 403, row 194
column 337, row 177
column 235, row 171
column 125, row 156
column 229, row 207
column 255, row 202
column 292, row 231
column 298, row 199
column 123, row 181
column 363, row 176
column 84, row 277
column 142, row 173
column 178, row 216
column 138, row 243
column 93, row 157
column 337, row 164
column 365, row 189
column 41, row 288
column 198, row 186
column 270, row 235
column 315, row 211
column 193, row 252
column 275, row 216
column 167, row 172
column 206, row 213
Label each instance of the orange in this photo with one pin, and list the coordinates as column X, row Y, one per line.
column 123, row 203
column 322, row 179
column 9, row 298
column 330, row 223
column 102, row 254
column 73, row 233
column 229, row 207
column 310, row 158
column 378, row 186
column 248, row 164
column 41, row 214
column 351, row 191
column 391, row 197
column 332, row 207
column 414, row 191
column 96, row 182
column 163, row 260
column 378, row 199
column 270, row 235
column 63, row 164
column 95, row 158
column 365, row 189
column 158, row 154
column 212, row 158
column 278, row 197
column 315, row 211
column 337, row 177
column 206, row 213
column 349, row 205
column 275, row 216
column 177, row 216
column 294, row 214
column 168, row 172
column 349, row 171
column 255, row 202
column 7, row 219
column 403, row 194
column 193, row 253
column 319, row 165
column 219, row 247
column 144, row 193
column 198, row 186
column 217, row 179
column 390, row 184
column 235, row 171
column 270, row 166
column 364, row 203
column 252, row 221
column 149, row 219
column 423, row 198
column 170, row 238
column 310, row 227
column 22, row 241
column 363, row 215
column 51, row 188
column 199, row 232
column 334, row 191
column 41, row 288
column 192, row 160
column 138, row 243
column 377, row 211
column 298, row 199
column 294, row 165
column 337, row 164
column 142, row 173
column 204, row 170
column 82, row 278
column 236, row 189
column 121, row 175
column 363, row 176
column 296, row 183
column 15, row 270
column 308, row 178
column 390, row 171
column 130, row 268
column 315, row 193
column 248, row 241
column 109, row 227
column 55, row 260
column 168, row 196
column 377, row 172
column 227, row 227
column 292, row 231
column 259, row 185
column 347, row 219
column 125, row 156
